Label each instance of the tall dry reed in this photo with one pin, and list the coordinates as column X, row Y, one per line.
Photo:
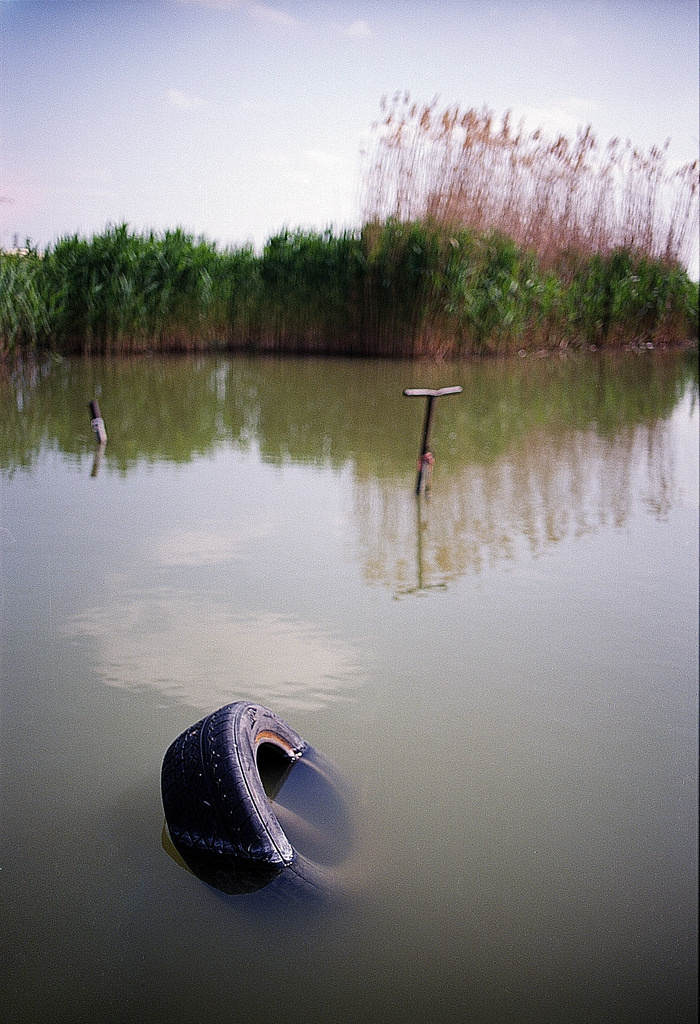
column 550, row 195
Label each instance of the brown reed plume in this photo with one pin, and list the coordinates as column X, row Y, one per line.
column 551, row 195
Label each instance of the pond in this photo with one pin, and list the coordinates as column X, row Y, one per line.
column 504, row 672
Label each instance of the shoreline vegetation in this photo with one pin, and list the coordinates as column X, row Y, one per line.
column 478, row 239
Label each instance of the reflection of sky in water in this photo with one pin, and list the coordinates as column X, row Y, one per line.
column 215, row 600
column 205, row 656
column 221, row 590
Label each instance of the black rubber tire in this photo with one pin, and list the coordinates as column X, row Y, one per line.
column 219, row 817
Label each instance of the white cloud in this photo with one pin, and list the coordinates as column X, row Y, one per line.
column 184, row 100
column 272, row 16
column 358, row 30
column 562, row 117
column 261, row 12
column 217, row 5
column 324, row 159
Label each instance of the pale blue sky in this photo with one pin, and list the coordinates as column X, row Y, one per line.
column 234, row 119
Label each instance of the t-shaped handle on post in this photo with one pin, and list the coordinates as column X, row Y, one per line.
column 425, row 460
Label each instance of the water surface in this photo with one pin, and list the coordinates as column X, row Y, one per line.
column 506, row 674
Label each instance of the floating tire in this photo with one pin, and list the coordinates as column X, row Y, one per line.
column 221, row 820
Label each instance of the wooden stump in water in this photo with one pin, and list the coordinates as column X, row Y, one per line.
column 97, row 423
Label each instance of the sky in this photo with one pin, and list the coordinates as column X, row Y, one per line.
column 235, row 119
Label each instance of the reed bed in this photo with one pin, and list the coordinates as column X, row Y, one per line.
column 24, row 315
column 477, row 239
column 120, row 291
column 393, row 289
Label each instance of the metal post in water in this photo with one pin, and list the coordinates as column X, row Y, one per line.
column 425, row 460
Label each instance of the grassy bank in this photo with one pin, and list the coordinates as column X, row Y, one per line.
column 396, row 289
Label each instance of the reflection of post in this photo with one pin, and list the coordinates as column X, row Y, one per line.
column 97, row 459
column 98, row 429
column 419, row 544
column 421, row 585
column 425, row 460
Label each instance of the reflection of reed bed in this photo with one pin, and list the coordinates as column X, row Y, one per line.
column 336, row 413
column 551, row 487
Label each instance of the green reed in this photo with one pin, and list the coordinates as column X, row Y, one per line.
column 121, row 291
column 24, row 320
column 406, row 289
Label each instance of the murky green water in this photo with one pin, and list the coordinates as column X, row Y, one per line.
column 507, row 674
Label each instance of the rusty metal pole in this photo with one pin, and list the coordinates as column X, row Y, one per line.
column 425, row 459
